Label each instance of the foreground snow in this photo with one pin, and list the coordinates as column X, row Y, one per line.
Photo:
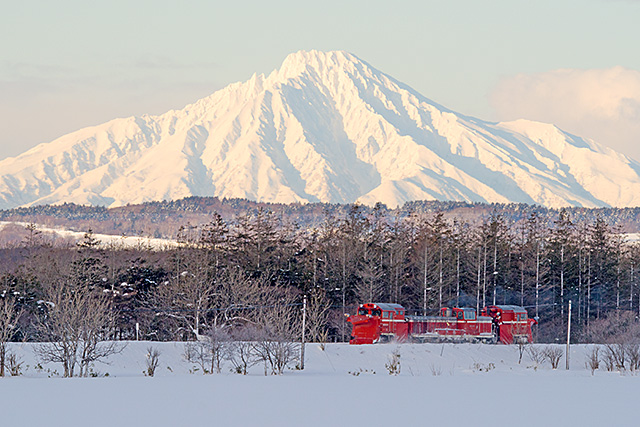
column 341, row 385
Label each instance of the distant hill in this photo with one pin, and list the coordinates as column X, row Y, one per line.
column 163, row 219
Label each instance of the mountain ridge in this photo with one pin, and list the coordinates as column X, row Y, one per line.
column 324, row 127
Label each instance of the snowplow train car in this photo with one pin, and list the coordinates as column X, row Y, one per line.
column 380, row 322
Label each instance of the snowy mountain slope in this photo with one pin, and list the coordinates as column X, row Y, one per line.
column 324, row 127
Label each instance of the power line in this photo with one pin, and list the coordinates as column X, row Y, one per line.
column 208, row 310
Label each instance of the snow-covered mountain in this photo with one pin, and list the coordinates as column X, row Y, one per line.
column 326, row 127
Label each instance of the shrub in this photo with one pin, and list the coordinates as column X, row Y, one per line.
column 553, row 355
column 393, row 365
column 153, row 357
column 593, row 359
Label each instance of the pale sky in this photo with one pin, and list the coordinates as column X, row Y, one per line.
column 69, row 64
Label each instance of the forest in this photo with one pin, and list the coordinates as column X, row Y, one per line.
column 253, row 270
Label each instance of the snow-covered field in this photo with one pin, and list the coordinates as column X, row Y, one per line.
column 462, row 384
column 108, row 240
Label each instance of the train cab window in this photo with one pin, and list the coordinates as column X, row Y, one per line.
column 460, row 315
column 385, row 314
column 363, row 312
column 469, row 315
column 376, row 312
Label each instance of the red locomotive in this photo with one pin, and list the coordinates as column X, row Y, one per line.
column 377, row 322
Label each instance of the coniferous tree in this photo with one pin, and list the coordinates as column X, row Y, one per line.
column 561, row 251
column 603, row 261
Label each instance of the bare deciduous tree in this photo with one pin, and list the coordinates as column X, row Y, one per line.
column 536, row 354
column 593, row 359
column 242, row 350
column 9, row 315
column 218, row 344
column 614, row 328
column 317, row 315
column 189, row 295
column 553, row 354
column 275, row 345
column 209, row 351
column 610, row 357
column 520, row 338
column 521, row 345
column 95, row 344
column 14, row 365
column 76, row 329
column 622, row 356
column 393, row 365
column 242, row 299
column 633, row 356
column 152, row 360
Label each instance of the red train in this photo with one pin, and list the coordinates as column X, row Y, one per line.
column 376, row 322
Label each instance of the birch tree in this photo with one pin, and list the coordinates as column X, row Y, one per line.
column 9, row 316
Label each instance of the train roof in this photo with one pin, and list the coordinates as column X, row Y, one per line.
column 514, row 308
column 387, row 306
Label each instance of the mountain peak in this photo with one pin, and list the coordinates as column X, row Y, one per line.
column 314, row 57
column 303, row 61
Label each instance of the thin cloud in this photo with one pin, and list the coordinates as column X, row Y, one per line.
column 602, row 104
column 30, row 68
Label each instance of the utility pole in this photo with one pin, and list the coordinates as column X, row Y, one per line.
column 568, row 335
column 304, row 326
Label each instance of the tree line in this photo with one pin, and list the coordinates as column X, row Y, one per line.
column 250, row 274
column 161, row 219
